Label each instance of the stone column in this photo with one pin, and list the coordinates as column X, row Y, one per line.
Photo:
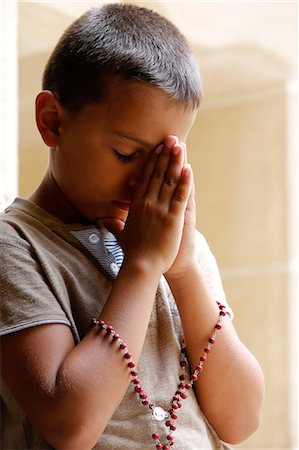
column 8, row 102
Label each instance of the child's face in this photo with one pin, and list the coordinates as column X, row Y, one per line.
column 102, row 150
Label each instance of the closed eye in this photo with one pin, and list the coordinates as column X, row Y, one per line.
column 125, row 158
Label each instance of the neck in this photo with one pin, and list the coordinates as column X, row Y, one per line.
column 50, row 197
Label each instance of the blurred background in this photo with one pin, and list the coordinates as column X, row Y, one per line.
column 243, row 149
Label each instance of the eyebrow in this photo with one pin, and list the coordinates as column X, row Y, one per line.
column 135, row 139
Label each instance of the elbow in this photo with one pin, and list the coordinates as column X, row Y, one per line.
column 79, row 440
column 238, row 432
column 72, row 436
column 245, row 416
column 241, row 422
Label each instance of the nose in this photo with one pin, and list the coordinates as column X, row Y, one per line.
column 135, row 172
column 133, row 181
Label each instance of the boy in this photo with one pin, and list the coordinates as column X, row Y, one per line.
column 110, row 234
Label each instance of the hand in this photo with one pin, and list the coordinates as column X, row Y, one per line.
column 186, row 257
column 154, row 227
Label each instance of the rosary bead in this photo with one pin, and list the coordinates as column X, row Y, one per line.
column 155, row 436
column 145, row 402
column 174, row 406
column 159, row 445
column 203, row 358
column 198, row 368
column 93, row 322
column 127, row 356
column 212, row 340
column 109, row 329
column 134, row 373
column 123, row 345
column 179, row 404
column 139, row 390
column 175, row 398
column 131, row 365
column 172, row 427
column 116, row 336
column 183, row 377
column 207, row 349
column 194, row 377
column 136, row 381
column 183, row 363
column 174, row 416
column 181, row 386
column 218, row 326
column 183, row 395
column 165, row 447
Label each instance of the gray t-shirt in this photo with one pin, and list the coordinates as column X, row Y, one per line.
column 51, row 272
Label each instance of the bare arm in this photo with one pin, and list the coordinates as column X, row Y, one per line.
column 70, row 392
column 231, row 386
column 230, row 389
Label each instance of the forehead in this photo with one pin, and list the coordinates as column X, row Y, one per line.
column 136, row 107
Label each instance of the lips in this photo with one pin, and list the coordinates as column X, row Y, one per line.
column 125, row 206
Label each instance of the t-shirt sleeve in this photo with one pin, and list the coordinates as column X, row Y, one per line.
column 26, row 297
column 211, row 271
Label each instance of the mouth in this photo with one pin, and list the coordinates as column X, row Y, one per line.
column 125, row 206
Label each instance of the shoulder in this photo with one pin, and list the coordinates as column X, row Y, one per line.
column 11, row 232
column 22, row 223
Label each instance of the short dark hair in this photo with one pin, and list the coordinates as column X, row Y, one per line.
column 130, row 42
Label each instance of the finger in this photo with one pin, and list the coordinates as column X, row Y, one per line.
column 191, row 205
column 159, row 173
column 181, row 196
column 144, row 179
column 171, row 140
column 173, row 174
column 186, row 162
column 185, row 152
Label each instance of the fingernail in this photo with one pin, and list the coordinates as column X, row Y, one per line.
column 170, row 141
column 159, row 149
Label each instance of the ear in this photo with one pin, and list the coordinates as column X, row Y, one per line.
column 48, row 116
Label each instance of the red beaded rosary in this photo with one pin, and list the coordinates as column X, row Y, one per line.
column 158, row 413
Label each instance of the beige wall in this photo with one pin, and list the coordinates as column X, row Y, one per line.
column 241, row 153
column 33, row 153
